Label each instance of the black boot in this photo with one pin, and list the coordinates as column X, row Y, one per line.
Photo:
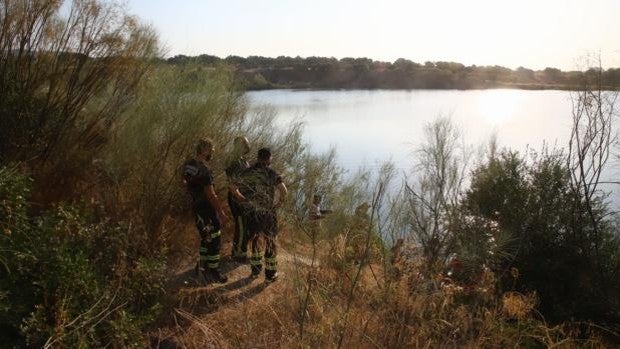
column 255, row 273
column 256, row 270
column 271, row 276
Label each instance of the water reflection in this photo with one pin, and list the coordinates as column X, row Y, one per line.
column 368, row 127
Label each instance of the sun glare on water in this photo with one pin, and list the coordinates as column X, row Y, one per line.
column 498, row 106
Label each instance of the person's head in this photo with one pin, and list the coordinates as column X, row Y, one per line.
column 316, row 199
column 241, row 145
column 264, row 156
column 204, row 148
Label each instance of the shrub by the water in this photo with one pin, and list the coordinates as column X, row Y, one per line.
column 94, row 214
column 574, row 270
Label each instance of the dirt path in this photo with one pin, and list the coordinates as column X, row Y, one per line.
column 200, row 306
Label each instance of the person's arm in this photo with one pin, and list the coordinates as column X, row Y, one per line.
column 281, row 187
column 234, row 190
column 232, row 173
column 215, row 203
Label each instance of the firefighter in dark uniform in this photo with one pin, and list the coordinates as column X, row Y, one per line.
column 236, row 166
column 208, row 213
column 259, row 184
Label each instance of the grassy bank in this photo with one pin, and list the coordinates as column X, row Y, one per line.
column 96, row 224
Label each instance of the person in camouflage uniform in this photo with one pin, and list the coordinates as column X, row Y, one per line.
column 258, row 185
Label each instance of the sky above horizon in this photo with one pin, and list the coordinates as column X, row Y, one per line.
column 530, row 33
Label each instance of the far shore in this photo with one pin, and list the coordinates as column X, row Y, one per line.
column 529, row 87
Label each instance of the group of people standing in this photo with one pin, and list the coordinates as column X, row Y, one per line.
column 252, row 201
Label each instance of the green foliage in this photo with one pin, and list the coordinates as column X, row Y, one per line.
column 174, row 109
column 259, row 82
column 70, row 280
column 314, row 174
column 56, row 64
column 557, row 252
column 479, row 245
column 348, row 72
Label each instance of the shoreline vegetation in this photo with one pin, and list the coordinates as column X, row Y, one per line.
column 326, row 73
column 98, row 245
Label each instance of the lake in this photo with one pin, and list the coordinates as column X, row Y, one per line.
column 370, row 126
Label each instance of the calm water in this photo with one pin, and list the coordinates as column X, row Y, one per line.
column 368, row 127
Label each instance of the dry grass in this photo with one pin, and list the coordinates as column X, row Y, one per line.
column 382, row 311
column 518, row 306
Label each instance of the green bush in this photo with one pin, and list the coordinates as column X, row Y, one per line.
column 70, row 280
column 556, row 250
column 68, row 68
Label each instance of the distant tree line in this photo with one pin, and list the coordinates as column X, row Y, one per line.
column 328, row 72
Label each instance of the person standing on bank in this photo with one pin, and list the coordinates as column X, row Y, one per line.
column 237, row 165
column 316, row 214
column 260, row 183
column 210, row 216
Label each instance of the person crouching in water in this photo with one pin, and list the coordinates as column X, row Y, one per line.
column 259, row 185
column 210, row 216
column 236, row 166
